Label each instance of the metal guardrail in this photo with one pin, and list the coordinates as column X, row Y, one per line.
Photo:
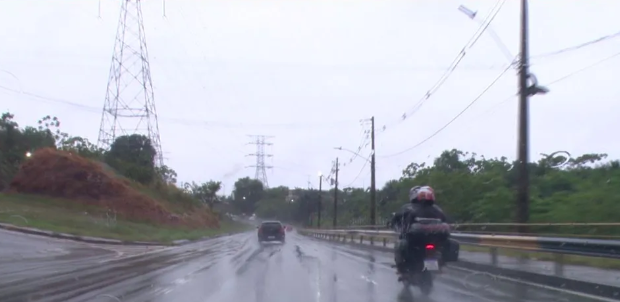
column 563, row 230
column 541, row 224
column 557, row 245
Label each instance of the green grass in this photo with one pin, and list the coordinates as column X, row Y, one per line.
column 65, row 216
column 568, row 259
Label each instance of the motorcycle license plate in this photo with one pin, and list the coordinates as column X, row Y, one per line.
column 271, row 237
column 431, row 265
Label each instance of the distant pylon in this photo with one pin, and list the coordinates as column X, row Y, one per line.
column 129, row 106
column 261, row 167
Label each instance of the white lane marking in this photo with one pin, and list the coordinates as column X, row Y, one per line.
column 318, row 282
column 365, row 278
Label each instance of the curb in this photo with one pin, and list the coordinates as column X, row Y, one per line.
column 588, row 288
column 98, row 240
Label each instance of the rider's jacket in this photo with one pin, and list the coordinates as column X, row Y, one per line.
column 410, row 211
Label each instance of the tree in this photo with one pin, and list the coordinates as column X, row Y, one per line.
column 16, row 143
column 205, row 192
column 166, row 174
column 134, row 157
column 81, row 146
column 470, row 188
column 247, row 192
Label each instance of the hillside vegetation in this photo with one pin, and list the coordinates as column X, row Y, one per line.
column 116, row 193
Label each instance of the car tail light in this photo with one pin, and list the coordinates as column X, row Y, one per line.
column 430, row 247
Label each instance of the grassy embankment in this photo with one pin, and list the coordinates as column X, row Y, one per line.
column 66, row 216
column 92, row 199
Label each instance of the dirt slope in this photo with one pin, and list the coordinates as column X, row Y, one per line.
column 64, row 175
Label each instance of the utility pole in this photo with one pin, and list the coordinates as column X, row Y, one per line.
column 373, row 189
column 523, row 194
column 320, row 200
column 336, row 197
column 526, row 90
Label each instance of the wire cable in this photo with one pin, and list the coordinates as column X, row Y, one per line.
column 186, row 122
column 358, row 175
column 364, row 143
column 506, row 100
column 584, row 69
column 578, row 46
column 454, row 118
column 562, row 78
column 472, row 41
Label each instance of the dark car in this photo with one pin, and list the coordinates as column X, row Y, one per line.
column 271, row 231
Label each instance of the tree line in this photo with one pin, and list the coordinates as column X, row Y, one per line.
column 130, row 156
column 470, row 188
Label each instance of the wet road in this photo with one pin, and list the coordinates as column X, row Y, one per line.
column 228, row 269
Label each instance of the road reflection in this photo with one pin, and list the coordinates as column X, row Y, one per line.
column 334, row 284
column 371, row 284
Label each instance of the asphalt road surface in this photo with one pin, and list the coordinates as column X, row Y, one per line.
column 229, row 269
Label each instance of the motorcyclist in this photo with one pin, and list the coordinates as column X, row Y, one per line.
column 421, row 205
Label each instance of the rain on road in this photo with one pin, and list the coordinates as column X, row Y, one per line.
column 228, row 269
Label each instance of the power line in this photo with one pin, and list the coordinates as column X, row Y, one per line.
column 472, row 41
column 562, row 78
column 505, row 100
column 476, row 36
column 584, row 68
column 578, row 46
column 190, row 122
column 365, row 141
column 358, row 175
column 454, row 118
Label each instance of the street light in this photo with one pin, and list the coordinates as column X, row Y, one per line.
column 472, row 15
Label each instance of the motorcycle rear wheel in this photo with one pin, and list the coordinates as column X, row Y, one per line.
column 425, row 282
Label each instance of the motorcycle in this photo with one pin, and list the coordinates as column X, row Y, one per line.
column 422, row 274
column 423, row 258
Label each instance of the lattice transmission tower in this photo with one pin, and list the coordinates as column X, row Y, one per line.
column 261, row 167
column 129, row 106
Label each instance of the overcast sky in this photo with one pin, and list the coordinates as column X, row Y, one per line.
column 306, row 72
